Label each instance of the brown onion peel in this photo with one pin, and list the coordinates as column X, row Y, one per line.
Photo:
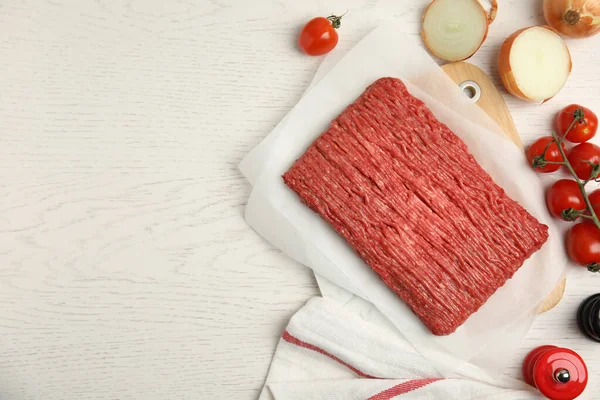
column 493, row 11
column 506, row 74
column 505, row 67
column 441, row 51
column 573, row 18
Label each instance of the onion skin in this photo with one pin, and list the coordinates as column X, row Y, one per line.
column 490, row 18
column 573, row 18
column 505, row 69
column 493, row 12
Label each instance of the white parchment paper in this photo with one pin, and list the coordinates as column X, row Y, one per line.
column 275, row 212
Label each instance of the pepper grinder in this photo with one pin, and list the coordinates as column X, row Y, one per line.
column 588, row 317
column 558, row 373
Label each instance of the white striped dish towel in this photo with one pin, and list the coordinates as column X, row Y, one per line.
column 330, row 352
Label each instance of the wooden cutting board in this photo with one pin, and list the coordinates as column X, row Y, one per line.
column 490, row 100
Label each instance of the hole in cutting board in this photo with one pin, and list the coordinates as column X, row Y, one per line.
column 471, row 89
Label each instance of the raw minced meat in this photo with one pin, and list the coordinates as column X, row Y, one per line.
column 406, row 194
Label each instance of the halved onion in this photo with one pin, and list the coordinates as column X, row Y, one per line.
column 455, row 29
column 534, row 63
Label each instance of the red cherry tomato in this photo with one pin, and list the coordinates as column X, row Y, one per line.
column 583, row 243
column 552, row 154
column 562, row 195
column 595, row 201
column 582, row 130
column 580, row 155
column 319, row 35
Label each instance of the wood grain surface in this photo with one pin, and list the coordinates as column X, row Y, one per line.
column 490, row 96
column 126, row 268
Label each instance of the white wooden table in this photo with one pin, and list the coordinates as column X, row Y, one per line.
column 126, row 268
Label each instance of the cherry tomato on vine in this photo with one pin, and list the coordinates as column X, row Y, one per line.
column 595, row 201
column 582, row 130
column 583, row 244
column 562, row 195
column 319, row 35
column 581, row 156
column 552, row 154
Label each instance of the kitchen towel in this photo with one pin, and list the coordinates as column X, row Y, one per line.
column 331, row 350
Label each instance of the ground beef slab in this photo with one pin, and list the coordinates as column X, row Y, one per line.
column 405, row 193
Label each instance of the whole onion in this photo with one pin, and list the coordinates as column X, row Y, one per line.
column 573, row 18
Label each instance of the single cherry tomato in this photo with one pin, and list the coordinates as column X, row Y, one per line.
column 580, row 158
column 595, row 201
column 583, row 244
column 552, row 154
column 563, row 195
column 583, row 129
column 319, row 35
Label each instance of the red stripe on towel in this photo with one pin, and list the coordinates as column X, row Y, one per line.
column 402, row 388
column 288, row 337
